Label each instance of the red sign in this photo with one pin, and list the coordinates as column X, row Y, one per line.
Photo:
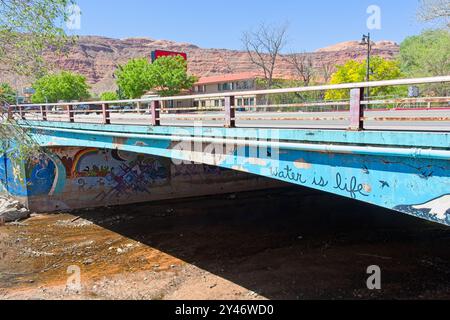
column 162, row 53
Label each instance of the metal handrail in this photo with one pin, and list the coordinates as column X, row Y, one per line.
column 154, row 106
column 384, row 83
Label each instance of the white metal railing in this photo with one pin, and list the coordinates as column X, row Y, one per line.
column 152, row 110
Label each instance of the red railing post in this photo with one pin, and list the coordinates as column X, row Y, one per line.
column 356, row 109
column 10, row 112
column 21, row 113
column 230, row 112
column 44, row 113
column 71, row 113
column 106, row 114
column 155, row 113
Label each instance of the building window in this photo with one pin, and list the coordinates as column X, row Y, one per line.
column 219, row 87
column 216, row 103
column 252, row 101
column 203, row 103
column 200, row 89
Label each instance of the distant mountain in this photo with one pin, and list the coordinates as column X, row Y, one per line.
column 97, row 57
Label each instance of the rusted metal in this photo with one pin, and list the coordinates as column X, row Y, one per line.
column 218, row 118
column 10, row 112
column 44, row 113
column 230, row 112
column 294, row 118
column 21, row 112
column 297, row 105
column 424, row 100
column 356, row 109
column 193, row 109
column 106, row 115
column 384, row 83
column 71, row 113
column 407, row 119
column 155, row 113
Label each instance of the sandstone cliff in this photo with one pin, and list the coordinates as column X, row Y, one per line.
column 97, row 57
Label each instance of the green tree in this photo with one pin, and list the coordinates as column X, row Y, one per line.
column 134, row 78
column 354, row 71
column 427, row 54
column 27, row 28
column 109, row 96
column 166, row 76
column 65, row 86
column 169, row 76
column 7, row 94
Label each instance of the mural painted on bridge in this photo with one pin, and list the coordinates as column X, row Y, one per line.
column 110, row 173
column 70, row 177
column 413, row 186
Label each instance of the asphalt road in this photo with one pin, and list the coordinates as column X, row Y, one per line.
column 381, row 120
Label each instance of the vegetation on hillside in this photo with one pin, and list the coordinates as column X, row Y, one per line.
column 7, row 94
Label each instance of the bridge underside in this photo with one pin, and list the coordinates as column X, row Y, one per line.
column 398, row 173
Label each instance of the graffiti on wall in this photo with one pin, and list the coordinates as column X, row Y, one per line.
column 194, row 170
column 105, row 173
column 407, row 185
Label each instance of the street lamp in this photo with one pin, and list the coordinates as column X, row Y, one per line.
column 367, row 42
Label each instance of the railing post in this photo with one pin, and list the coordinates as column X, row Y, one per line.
column 356, row 109
column 71, row 113
column 106, row 114
column 21, row 113
column 155, row 113
column 230, row 112
column 44, row 113
column 10, row 112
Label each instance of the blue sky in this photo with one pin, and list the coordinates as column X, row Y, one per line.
column 219, row 24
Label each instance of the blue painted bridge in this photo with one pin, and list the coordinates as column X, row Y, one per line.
column 407, row 171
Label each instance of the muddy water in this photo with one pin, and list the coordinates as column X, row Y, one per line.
column 283, row 244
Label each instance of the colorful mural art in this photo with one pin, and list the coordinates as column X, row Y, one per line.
column 117, row 165
column 73, row 177
column 114, row 173
column 404, row 184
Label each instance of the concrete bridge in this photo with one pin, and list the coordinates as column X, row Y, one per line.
column 350, row 148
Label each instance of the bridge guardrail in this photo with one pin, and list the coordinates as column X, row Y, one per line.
column 228, row 108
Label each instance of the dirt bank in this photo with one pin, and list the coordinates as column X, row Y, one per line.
column 286, row 244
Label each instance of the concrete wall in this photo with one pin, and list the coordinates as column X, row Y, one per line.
column 73, row 178
column 13, row 179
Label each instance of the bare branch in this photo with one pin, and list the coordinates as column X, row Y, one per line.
column 435, row 10
column 303, row 65
column 264, row 47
